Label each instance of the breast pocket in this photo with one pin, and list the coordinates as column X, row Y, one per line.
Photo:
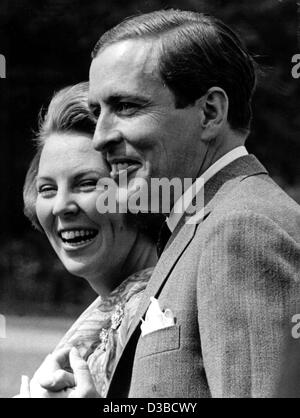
column 162, row 340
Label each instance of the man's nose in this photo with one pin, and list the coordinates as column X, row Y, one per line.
column 106, row 134
column 65, row 205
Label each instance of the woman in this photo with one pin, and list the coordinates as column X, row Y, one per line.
column 115, row 253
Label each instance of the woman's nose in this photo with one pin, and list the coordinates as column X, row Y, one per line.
column 65, row 205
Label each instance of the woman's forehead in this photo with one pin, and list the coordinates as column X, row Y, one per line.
column 70, row 152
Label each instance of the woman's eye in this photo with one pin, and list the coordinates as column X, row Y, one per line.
column 88, row 185
column 95, row 110
column 47, row 191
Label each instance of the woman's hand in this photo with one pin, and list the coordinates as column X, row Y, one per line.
column 53, row 373
column 84, row 384
column 53, row 380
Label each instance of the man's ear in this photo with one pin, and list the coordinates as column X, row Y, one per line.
column 214, row 112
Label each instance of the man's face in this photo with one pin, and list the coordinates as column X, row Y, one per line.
column 139, row 129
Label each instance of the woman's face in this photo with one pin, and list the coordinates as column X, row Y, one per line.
column 88, row 243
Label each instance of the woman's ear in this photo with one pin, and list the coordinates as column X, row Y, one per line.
column 214, row 112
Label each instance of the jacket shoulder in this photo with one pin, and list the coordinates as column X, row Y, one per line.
column 262, row 197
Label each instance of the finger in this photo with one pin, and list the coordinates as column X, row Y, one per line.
column 55, row 361
column 25, row 387
column 82, row 374
column 60, row 358
column 48, row 376
column 37, row 391
column 57, row 381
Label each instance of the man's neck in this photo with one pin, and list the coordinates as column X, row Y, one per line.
column 185, row 201
column 219, row 147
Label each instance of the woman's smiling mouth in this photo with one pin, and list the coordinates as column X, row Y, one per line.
column 77, row 237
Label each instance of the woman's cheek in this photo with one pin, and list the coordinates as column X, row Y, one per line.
column 43, row 212
column 89, row 206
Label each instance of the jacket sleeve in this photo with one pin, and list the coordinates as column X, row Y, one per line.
column 247, row 293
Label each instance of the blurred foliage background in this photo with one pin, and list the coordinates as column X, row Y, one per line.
column 47, row 45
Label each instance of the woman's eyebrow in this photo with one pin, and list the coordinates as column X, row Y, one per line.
column 43, row 178
column 76, row 176
column 88, row 172
column 93, row 104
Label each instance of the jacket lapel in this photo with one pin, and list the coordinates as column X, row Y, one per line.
column 178, row 242
column 119, row 385
column 215, row 189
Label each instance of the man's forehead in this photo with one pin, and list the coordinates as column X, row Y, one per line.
column 124, row 62
column 141, row 52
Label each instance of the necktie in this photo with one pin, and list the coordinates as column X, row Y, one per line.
column 163, row 238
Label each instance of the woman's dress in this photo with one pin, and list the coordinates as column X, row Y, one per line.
column 100, row 332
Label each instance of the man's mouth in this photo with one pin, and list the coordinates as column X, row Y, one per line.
column 120, row 167
column 77, row 237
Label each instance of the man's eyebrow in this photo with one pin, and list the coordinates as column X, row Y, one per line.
column 114, row 98
column 117, row 97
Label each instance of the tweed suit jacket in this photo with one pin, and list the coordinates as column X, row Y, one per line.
column 233, row 284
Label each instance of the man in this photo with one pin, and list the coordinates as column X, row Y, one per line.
column 172, row 93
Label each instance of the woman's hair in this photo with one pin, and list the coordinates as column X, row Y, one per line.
column 68, row 112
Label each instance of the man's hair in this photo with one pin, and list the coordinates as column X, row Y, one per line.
column 68, row 112
column 197, row 52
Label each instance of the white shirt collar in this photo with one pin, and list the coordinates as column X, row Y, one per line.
column 186, row 199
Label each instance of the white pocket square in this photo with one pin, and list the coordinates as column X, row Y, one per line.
column 156, row 319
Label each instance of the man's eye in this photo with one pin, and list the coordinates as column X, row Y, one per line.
column 126, row 108
column 47, row 191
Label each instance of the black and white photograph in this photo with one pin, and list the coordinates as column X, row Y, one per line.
column 150, row 201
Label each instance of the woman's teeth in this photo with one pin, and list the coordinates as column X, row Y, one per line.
column 78, row 236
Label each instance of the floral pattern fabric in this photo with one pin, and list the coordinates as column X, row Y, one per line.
column 99, row 341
